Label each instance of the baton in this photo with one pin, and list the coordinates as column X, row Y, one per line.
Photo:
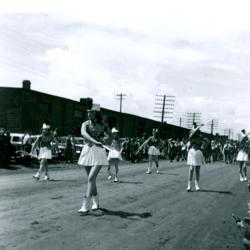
column 109, row 148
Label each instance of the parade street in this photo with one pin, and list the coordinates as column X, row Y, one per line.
column 143, row 211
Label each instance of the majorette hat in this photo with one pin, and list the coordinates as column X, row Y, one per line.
column 114, row 130
column 46, row 126
column 95, row 107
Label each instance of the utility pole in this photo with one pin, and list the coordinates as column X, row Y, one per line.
column 163, row 109
column 213, row 125
column 228, row 132
column 121, row 98
column 180, row 121
column 165, row 105
column 193, row 117
column 239, row 136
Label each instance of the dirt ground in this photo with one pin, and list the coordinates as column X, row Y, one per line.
column 141, row 212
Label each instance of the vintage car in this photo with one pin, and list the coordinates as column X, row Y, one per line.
column 16, row 139
column 79, row 142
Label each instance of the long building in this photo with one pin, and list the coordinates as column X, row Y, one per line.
column 23, row 109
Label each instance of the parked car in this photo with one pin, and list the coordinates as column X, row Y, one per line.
column 16, row 139
column 61, row 145
column 79, row 142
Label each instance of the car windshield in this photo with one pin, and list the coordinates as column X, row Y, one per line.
column 79, row 141
column 16, row 139
column 62, row 139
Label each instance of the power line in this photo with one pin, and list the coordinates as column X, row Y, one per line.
column 164, row 106
column 193, row 117
column 213, row 125
column 121, row 99
column 180, row 121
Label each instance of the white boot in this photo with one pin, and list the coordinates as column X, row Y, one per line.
column 241, row 177
column 37, row 176
column 95, row 202
column 196, row 185
column 46, row 177
column 85, row 205
column 189, row 186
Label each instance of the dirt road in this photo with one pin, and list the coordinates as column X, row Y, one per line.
column 141, row 212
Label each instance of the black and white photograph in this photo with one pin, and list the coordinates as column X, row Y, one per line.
column 124, row 125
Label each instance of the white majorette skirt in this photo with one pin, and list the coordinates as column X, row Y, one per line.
column 242, row 156
column 114, row 154
column 195, row 157
column 45, row 153
column 153, row 151
column 93, row 156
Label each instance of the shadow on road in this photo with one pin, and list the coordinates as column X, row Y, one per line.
column 10, row 167
column 122, row 214
column 131, row 182
column 173, row 174
column 216, row 191
column 58, row 180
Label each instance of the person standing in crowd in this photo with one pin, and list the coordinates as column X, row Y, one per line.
column 69, row 150
column 178, row 149
column 93, row 156
column 133, row 150
column 43, row 144
column 242, row 156
column 195, row 157
column 227, row 152
column 183, row 150
column 26, row 142
column 125, row 146
column 154, row 142
column 5, row 148
column 171, row 149
column 114, row 155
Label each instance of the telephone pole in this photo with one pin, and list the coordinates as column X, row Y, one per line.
column 180, row 121
column 164, row 106
column 229, row 132
column 213, row 125
column 193, row 117
column 121, row 98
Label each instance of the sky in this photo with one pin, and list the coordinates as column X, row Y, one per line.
column 196, row 51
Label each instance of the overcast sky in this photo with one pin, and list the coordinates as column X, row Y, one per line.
column 198, row 51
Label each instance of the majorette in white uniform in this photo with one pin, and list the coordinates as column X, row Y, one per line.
column 154, row 142
column 43, row 144
column 242, row 156
column 93, row 156
column 114, row 155
column 195, row 157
